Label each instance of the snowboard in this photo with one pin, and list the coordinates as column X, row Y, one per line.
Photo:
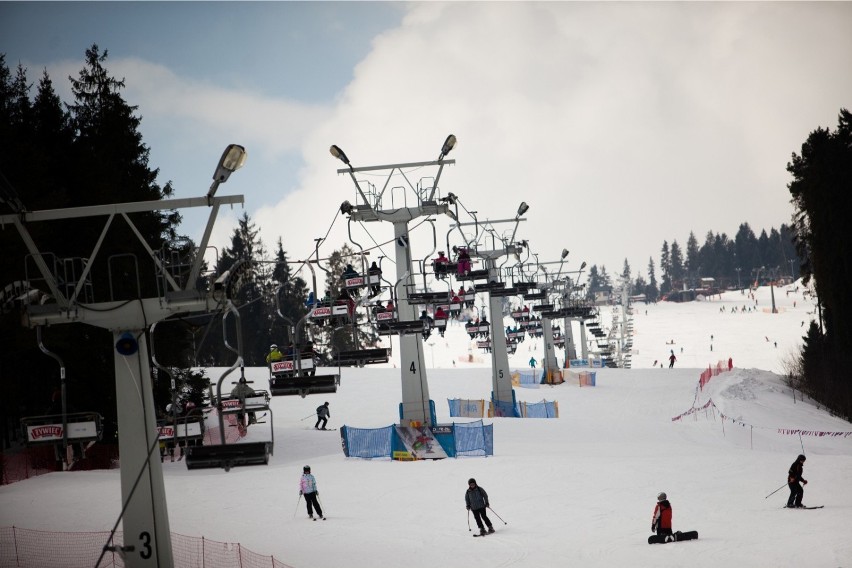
column 817, row 507
column 676, row 537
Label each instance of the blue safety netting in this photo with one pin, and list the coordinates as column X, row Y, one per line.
column 474, row 439
column 367, row 442
column 505, row 409
column 543, row 409
column 533, row 377
column 465, row 408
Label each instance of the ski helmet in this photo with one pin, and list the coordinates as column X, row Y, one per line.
column 471, row 480
column 661, row 497
column 306, row 469
column 273, row 346
column 801, row 457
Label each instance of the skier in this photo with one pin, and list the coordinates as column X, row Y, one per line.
column 476, row 500
column 795, row 481
column 661, row 522
column 308, row 488
column 323, row 414
column 532, row 362
column 672, row 360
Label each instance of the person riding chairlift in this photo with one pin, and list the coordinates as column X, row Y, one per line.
column 440, row 265
column 463, row 262
column 440, row 314
column 375, row 271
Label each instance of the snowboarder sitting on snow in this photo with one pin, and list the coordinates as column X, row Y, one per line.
column 323, row 414
column 308, row 488
column 476, row 500
column 661, row 522
column 795, row 481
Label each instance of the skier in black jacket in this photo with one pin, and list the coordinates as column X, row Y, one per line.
column 795, row 481
column 476, row 500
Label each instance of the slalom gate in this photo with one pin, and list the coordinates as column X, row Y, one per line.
column 46, row 549
column 419, row 442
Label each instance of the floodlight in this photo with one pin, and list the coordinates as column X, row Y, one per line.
column 523, row 208
column 564, row 253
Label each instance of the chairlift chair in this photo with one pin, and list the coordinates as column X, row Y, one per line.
column 82, row 428
column 229, row 455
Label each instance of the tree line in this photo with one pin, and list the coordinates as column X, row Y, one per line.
column 89, row 151
column 731, row 263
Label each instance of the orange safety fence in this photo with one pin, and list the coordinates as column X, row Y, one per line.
column 47, row 549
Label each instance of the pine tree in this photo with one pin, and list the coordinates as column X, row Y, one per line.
column 651, row 291
column 820, row 190
column 625, row 277
column 676, row 261
column 89, row 153
column 692, row 265
column 291, row 295
column 665, row 269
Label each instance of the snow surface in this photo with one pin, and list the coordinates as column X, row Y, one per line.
column 578, row 490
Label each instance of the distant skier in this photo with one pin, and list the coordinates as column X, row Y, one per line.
column 661, row 521
column 672, row 360
column 308, row 488
column 730, row 363
column 476, row 500
column 795, row 481
column 323, row 414
column 532, row 362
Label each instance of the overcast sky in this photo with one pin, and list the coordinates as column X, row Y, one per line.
column 621, row 124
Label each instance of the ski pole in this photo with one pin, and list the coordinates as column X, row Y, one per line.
column 776, row 491
column 308, row 416
column 321, row 505
column 299, row 500
column 468, row 520
column 498, row 516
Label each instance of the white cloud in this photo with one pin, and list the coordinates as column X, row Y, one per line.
column 276, row 126
column 621, row 125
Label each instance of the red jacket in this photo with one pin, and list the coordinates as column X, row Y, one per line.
column 662, row 515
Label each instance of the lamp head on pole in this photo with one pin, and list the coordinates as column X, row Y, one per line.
column 564, row 253
column 233, row 158
column 523, row 208
column 339, row 154
column 449, row 144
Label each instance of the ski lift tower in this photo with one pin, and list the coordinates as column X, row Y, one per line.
column 416, row 407
column 147, row 538
column 502, row 393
